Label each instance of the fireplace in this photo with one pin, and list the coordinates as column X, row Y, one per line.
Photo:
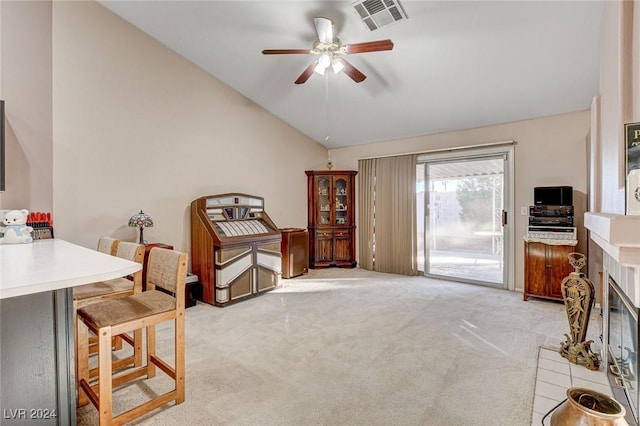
column 619, row 238
column 622, row 348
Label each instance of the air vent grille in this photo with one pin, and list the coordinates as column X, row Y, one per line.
column 379, row 13
column 395, row 13
column 373, row 6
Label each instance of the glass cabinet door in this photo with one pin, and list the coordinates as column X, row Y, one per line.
column 324, row 200
column 340, row 191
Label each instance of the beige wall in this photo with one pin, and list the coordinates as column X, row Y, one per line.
column 139, row 127
column 619, row 103
column 549, row 151
column 620, row 97
column 635, row 61
column 136, row 126
column 25, row 85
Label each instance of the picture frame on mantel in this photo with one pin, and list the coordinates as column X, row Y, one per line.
column 632, row 151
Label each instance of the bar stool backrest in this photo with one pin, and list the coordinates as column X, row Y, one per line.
column 108, row 245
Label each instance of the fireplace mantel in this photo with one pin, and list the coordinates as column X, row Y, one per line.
column 618, row 235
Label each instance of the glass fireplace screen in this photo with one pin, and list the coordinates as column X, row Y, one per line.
column 623, row 349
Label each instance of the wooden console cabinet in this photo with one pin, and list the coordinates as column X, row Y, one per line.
column 331, row 202
column 545, row 266
column 295, row 252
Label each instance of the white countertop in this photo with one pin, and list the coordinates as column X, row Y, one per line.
column 53, row 264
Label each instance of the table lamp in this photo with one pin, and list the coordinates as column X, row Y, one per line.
column 141, row 220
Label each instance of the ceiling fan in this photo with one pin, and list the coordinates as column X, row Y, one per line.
column 329, row 52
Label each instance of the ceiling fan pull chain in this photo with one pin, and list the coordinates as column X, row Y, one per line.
column 326, row 140
column 326, row 106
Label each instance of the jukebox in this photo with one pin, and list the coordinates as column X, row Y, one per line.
column 235, row 247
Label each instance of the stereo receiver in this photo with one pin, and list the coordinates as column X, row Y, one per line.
column 545, row 210
column 552, row 232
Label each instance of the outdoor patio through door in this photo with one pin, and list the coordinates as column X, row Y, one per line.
column 462, row 233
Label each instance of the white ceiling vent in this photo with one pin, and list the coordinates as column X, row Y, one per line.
column 379, row 13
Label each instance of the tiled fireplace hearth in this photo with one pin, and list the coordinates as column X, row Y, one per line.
column 619, row 238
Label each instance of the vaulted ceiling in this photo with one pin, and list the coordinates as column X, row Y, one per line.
column 455, row 64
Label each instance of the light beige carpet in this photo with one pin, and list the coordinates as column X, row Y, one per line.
column 353, row 347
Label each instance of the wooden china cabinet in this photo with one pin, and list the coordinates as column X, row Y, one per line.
column 331, row 218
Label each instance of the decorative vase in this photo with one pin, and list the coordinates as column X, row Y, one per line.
column 586, row 407
column 578, row 295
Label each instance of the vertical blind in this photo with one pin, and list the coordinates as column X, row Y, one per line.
column 387, row 214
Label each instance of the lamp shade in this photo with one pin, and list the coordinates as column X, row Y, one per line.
column 141, row 220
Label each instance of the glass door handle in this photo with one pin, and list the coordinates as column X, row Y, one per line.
column 504, row 218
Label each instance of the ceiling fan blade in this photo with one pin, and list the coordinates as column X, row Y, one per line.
column 324, row 28
column 285, row 51
column 369, row 46
column 352, row 71
column 306, row 73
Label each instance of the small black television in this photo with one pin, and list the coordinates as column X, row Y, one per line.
column 553, row 196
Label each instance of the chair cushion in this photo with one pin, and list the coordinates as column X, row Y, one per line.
column 124, row 309
column 102, row 288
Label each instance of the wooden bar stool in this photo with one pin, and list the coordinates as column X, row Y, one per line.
column 108, row 245
column 167, row 269
column 119, row 287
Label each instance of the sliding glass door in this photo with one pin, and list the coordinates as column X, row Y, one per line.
column 463, row 218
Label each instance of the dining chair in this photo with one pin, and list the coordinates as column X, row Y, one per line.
column 167, row 270
column 124, row 286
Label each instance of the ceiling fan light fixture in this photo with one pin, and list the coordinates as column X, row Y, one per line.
column 337, row 65
column 324, row 60
column 319, row 69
